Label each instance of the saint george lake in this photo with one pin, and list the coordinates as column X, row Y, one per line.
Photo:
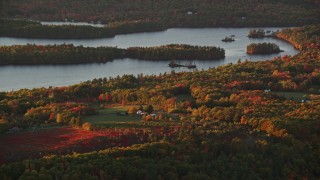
column 18, row 77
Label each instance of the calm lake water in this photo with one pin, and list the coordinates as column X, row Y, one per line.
column 17, row 77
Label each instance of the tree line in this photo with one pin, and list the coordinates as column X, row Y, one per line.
column 153, row 15
column 32, row 29
column 176, row 13
column 176, row 52
column 69, row 54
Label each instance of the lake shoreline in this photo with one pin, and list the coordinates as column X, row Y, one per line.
column 26, row 76
column 93, row 32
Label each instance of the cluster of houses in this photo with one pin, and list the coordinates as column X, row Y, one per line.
column 141, row 113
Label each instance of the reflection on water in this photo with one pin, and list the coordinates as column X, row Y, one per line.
column 72, row 23
column 17, row 77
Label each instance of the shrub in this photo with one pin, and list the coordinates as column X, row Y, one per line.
column 3, row 125
column 87, row 126
column 132, row 110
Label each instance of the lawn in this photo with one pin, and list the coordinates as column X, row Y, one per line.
column 296, row 96
column 116, row 117
column 113, row 116
column 41, row 127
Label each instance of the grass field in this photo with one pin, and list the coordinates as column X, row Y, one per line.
column 113, row 127
column 296, row 96
column 41, row 127
column 114, row 117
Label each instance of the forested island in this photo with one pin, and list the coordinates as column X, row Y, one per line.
column 69, row 54
column 176, row 52
column 263, row 48
column 237, row 121
column 120, row 17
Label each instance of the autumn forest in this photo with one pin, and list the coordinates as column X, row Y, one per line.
column 243, row 120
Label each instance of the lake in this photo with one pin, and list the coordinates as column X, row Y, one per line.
column 17, row 77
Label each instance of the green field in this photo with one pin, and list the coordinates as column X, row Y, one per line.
column 41, row 127
column 296, row 96
column 114, row 116
column 117, row 117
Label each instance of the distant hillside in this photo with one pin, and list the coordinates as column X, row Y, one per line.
column 192, row 13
